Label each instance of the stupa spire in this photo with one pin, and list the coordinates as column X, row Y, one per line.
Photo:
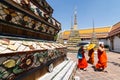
column 75, row 19
column 94, row 38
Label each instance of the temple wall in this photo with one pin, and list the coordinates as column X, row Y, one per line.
column 108, row 42
column 116, row 44
column 104, row 41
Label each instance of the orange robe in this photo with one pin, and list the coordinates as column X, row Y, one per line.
column 82, row 63
column 91, row 56
column 102, row 60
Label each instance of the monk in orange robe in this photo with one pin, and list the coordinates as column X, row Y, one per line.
column 82, row 63
column 91, row 56
column 102, row 58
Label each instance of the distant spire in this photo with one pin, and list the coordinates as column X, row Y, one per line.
column 75, row 19
column 71, row 23
column 93, row 34
column 75, row 16
column 94, row 38
column 93, row 27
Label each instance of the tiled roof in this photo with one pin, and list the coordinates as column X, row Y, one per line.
column 97, row 30
column 87, row 33
column 115, row 29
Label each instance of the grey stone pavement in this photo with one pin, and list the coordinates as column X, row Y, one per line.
column 113, row 68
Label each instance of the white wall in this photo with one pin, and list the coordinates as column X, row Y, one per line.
column 117, row 44
column 104, row 41
column 86, row 41
column 108, row 43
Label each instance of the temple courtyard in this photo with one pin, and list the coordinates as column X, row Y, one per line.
column 113, row 68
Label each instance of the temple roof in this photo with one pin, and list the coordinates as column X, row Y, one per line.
column 87, row 33
column 115, row 29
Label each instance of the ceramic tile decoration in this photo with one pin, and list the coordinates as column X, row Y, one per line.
column 27, row 39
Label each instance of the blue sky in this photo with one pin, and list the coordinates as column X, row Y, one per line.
column 104, row 12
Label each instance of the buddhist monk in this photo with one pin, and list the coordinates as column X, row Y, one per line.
column 82, row 63
column 102, row 58
column 91, row 56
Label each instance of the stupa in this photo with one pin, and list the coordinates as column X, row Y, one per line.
column 74, row 37
column 94, row 38
column 27, row 40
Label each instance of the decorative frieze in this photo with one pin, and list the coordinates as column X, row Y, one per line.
column 18, row 56
column 29, row 6
column 24, row 21
column 118, row 35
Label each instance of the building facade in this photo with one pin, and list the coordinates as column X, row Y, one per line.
column 109, row 36
column 86, row 34
column 114, row 38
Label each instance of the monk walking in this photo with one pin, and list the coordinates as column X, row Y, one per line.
column 91, row 56
column 102, row 58
column 82, row 63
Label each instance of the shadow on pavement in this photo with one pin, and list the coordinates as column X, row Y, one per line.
column 114, row 63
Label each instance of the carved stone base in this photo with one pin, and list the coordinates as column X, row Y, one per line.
column 40, row 72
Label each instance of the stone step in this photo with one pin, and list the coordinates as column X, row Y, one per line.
column 63, row 71
column 69, row 73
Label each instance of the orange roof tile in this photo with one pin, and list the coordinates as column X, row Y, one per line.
column 115, row 29
column 87, row 33
column 97, row 30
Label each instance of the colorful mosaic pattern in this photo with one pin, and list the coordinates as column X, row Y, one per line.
column 21, row 19
column 12, row 65
column 9, row 46
column 19, row 56
column 41, row 3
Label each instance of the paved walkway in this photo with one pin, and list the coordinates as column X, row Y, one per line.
column 113, row 68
